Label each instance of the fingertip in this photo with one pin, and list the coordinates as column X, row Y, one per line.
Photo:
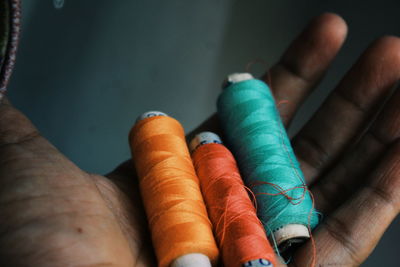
column 333, row 18
column 386, row 48
column 328, row 32
column 314, row 49
column 332, row 26
column 380, row 63
column 387, row 39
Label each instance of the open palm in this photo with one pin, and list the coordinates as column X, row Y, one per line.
column 54, row 214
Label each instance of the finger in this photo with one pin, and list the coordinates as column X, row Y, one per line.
column 357, row 164
column 14, row 126
column 20, row 141
column 305, row 62
column 22, row 148
column 349, row 107
column 348, row 236
column 29, row 165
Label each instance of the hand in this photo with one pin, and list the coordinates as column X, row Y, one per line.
column 54, row 214
column 350, row 149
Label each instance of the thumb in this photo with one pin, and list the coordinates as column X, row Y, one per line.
column 15, row 127
column 23, row 150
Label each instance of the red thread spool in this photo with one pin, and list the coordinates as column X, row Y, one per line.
column 240, row 234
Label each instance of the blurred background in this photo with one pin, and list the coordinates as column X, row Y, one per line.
column 86, row 71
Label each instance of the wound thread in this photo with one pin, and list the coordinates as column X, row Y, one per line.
column 258, row 140
column 239, row 233
column 170, row 190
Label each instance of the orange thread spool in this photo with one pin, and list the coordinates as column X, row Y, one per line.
column 239, row 232
column 170, row 190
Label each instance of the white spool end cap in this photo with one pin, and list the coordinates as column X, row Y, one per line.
column 291, row 233
column 236, row 77
column 150, row 114
column 204, row 138
column 258, row 263
column 239, row 77
column 192, row 260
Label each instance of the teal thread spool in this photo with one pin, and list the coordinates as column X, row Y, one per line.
column 257, row 138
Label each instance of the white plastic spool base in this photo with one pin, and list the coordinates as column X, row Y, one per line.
column 291, row 234
column 192, row 260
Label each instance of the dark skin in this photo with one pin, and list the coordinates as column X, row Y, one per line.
column 54, row 214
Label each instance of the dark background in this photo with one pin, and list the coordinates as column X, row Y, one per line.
column 85, row 72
